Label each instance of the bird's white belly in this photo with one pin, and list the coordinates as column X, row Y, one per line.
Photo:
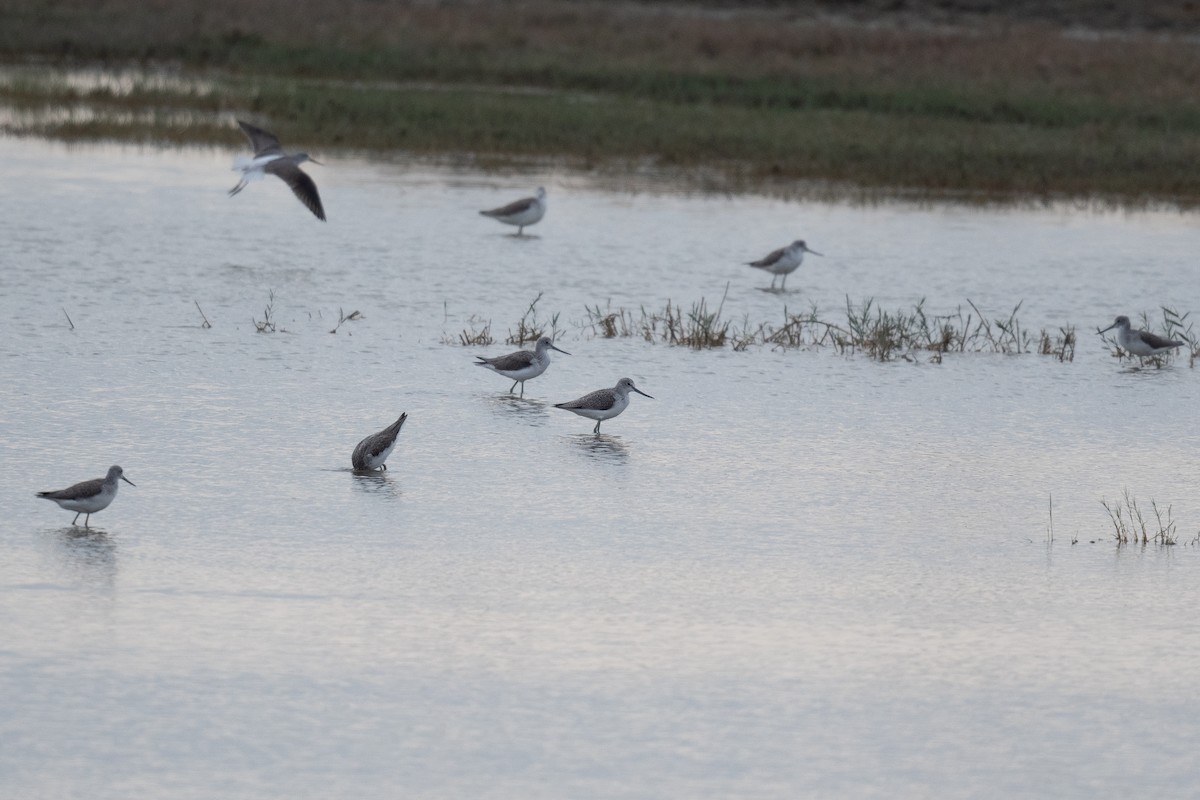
column 375, row 462
column 524, row 373
column 784, row 266
column 88, row 505
column 526, row 217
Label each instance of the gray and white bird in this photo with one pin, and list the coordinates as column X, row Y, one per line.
column 783, row 261
column 603, row 404
column 1138, row 342
column 372, row 451
column 522, row 213
column 523, row 364
column 269, row 159
column 89, row 497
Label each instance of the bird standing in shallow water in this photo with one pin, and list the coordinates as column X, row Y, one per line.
column 603, row 404
column 523, row 364
column 523, row 212
column 372, row 451
column 89, row 497
column 783, row 261
column 1138, row 342
column 269, row 159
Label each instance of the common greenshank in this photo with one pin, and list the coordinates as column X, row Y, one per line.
column 523, row 212
column 89, row 497
column 1138, row 342
column 372, row 451
column 603, row 404
column 783, row 261
column 269, row 158
column 523, row 364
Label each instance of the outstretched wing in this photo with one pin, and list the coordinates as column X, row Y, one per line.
column 264, row 143
column 302, row 185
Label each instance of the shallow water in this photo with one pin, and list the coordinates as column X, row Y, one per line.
column 791, row 574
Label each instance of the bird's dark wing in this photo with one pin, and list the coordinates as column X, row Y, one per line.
column 513, row 361
column 515, row 207
column 302, row 185
column 376, row 443
column 1156, row 341
column 264, row 143
column 76, row 492
column 768, row 259
column 599, row 400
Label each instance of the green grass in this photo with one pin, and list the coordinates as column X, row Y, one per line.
column 761, row 95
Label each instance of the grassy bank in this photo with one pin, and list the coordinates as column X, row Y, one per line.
column 986, row 106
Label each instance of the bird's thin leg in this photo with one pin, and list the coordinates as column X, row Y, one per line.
column 77, row 513
column 513, row 388
column 783, row 285
column 86, row 520
column 596, row 430
column 241, row 185
column 773, row 279
column 522, row 388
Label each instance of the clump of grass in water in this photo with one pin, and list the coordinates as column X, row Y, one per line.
column 883, row 335
column 1130, row 524
column 474, row 336
column 267, row 324
column 530, row 329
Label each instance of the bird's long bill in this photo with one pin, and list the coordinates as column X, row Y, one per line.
column 1109, row 328
column 559, row 349
column 639, row 391
column 814, row 252
column 312, row 160
column 131, row 483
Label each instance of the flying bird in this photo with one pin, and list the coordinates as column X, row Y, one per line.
column 269, row 159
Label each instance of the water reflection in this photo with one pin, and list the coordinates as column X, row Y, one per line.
column 601, row 447
column 375, row 482
column 89, row 555
column 533, row 411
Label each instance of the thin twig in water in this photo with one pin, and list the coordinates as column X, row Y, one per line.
column 206, row 324
column 68, row 316
column 353, row 315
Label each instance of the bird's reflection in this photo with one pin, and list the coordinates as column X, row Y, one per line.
column 88, row 554
column 525, row 408
column 375, row 482
column 601, row 447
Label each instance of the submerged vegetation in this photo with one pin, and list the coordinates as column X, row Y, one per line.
column 802, row 96
column 1131, row 525
column 867, row 328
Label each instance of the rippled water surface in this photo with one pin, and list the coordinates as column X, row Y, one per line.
column 791, row 574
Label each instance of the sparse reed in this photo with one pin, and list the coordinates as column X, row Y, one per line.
column 267, row 323
column 205, row 324
column 1130, row 525
column 343, row 318
column 530, row 328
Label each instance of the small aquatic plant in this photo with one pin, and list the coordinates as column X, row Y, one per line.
column 206, row 324
column 267, row 324
column 1131, row 525
column 530, row 328
column 353, row 316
